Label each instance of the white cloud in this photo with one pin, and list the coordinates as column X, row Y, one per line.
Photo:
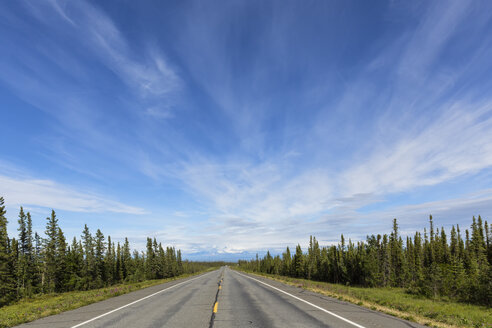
column 219, row 236
column 455, row 144
column 273, row 199
column 261, row 204
column 19, row 191
column 151, row 74
column 63, row 71
column 411, row 138
column 262, row 192
column 437, row 26
column 145, row 70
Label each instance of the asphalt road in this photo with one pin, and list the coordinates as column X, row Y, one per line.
column 222, row 298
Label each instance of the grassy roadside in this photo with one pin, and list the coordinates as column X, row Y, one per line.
column 394, row 301
column 40, row 306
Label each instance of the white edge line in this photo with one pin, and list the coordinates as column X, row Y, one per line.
column 141, row 299
column 300, row 299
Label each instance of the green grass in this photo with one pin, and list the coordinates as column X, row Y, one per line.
column 395, row 301
column 39, row 306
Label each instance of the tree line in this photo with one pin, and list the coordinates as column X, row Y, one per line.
column 433, row 264
column 35, row 264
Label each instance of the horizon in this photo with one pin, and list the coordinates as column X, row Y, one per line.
column 229, row 129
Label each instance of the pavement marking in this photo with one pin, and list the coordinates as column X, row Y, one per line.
column 141, row 299
column 300, row 299
column 216, row 302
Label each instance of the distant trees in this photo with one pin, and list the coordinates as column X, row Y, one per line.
column 32, row 264
column 26, row 265
column 434, row 264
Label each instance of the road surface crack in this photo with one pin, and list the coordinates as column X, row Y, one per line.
column 216, row 303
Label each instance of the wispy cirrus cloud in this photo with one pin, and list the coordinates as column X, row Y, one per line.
column 25, row 191
column 100, row 91
column 406, row 118
column 298, row 119
column 426, row 43
column 454, row 144
column 244, row 237
column 149, row 72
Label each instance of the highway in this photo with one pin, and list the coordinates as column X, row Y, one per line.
column 222, row 298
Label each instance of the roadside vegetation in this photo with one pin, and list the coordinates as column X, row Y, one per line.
column 43, row 305
column 425, row 268
column 34, row 264
column 397, row 302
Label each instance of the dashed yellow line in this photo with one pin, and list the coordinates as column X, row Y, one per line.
column 216, row 305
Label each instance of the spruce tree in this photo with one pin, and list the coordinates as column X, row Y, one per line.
column 386, row 261
column 137, row 272
column 120, row 266
column 100, row 248
column 75, row 259
column 461, row 244
column 22, row 232
column 179, row 261
column 286, row 261
column 30, row 259
column 161, row 258
column 156, row 268
column 396, row 257
column 22, row 267
column 13, row 265
column 50, row 253
column 89, row 270
column 298, row 262
column 149, row 261
column 109, row 263
column 371, row 262
column 445, row 255
column 410, row 260
column 126, row 259
column 7, row 280
column 38, row 278
column 488, row 234
column 61, row 274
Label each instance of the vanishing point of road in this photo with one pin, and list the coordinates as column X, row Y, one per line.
column 223, row 298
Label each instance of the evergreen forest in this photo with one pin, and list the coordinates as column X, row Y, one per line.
column 34, row 264
column 434, row 264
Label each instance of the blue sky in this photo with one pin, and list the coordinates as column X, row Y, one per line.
column 231, row 127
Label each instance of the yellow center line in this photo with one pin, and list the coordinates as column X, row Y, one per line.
column 216, row 305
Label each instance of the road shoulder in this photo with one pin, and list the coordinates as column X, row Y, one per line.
column 82, row 314
column 356, row 313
